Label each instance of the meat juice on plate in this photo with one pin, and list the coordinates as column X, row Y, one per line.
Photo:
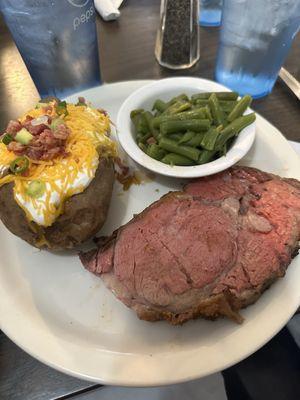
column 255, row 39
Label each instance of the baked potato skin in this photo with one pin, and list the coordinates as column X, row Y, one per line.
column 84, row 213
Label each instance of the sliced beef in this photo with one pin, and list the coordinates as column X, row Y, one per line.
column 207, row 251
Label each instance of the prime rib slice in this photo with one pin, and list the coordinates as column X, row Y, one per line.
column 206, row 251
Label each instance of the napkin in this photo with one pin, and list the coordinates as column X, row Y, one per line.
column 108, row 9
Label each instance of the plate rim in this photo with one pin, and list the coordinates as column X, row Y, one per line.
column 134, row 382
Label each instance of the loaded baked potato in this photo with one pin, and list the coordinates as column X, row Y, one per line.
column 56, row 174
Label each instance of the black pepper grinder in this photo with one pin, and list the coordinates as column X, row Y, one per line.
column 177, row 42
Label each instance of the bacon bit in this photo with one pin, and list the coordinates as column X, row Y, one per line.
column 61, row 132
column 151, row 140
column 52, row 153
column 81, row 100
column 46, row 143
column 46, row 138
column 18, row 148
column 35, row 130
column 13, row 127
column 34, row 153
column 102, row 111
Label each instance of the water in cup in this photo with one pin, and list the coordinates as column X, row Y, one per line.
column 210, row 12
column 255, row 39
column 58, row 43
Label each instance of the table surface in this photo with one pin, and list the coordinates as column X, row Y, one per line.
column 126, row 53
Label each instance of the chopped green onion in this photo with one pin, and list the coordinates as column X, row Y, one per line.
column 36, row 189
column 24, row 136
column 61, row 108
column 41, row 105
column 56, row 122
column 46, row 100
column 19, row 165
column 7, row 138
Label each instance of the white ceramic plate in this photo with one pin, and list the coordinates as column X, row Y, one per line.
column 165, row 89
column 64, row 316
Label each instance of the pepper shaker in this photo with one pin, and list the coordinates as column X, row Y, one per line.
column 177, row 41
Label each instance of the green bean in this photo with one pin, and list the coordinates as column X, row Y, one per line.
column 140, row 123
column 233, row 129
column 175, row 136
column 223, row 152
column 220, row 96
column 147, row 136
column 141, row 126
column 139, row 137
column 142, row 146
column 217, row 112
column 240, row 108
column 208, row 112
column 156, row 152
column 227, row 146
column 206, row 156
column 192, row 131
column 186, row 137
column 159, row 105
column 136, row 112
column 177, row 107
column 173, row 147
column 209, row 139
column 200, row 102
column 196, row 140
column 200, row 110
column 181, row 97
column 156, row 133
column 195, row 114
column 149, row 118
column 177, row 159
column 196, row 125
column 227, row 105
column 136, row 120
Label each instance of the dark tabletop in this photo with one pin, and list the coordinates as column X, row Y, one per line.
column 127, row 52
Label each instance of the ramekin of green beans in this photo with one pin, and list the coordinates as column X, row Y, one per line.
column 190, row 131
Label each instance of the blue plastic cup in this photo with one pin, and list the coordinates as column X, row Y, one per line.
column 210, row 12
column 255, row 39
column 57, row 40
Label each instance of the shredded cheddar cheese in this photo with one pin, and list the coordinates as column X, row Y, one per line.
column 6, row 157
column 64, row 176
